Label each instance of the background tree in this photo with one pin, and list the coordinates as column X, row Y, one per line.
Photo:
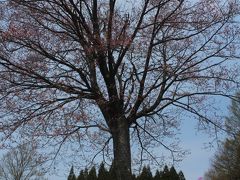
column 157, row 175
column 81, row 176
column 225, row 164
column 146, row 174
column 22, row 163
column 165, row 175
column 134, row 177
column 72, row 175
column 100, row 72
column 173, row 174
column 86, row 173
column 181, row 176
column 92, row 175
column 232, row 122
column 112, row 172
column 103, row 173
column 211, row 174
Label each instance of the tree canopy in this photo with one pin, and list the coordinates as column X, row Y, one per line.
column 112, row 75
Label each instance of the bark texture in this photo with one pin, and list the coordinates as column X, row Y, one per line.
column 122, row 151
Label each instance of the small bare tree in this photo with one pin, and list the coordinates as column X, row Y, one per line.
column 22, row 163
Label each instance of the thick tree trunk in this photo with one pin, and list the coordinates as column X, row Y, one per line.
column 122, row 150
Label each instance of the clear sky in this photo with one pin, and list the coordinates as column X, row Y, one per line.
column 201, row 145
column 197, row 162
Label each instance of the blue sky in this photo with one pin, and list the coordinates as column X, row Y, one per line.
column 200, row 144
column 198, row 161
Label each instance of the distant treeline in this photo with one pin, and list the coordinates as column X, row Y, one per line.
column 146, row 174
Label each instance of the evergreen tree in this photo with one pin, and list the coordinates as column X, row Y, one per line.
column 165, row 175
column 161, row 175
column 112, row 173
column 103, row 173
column 173, row 174
column 134, row 177
column 157, row 175
column 81, row 176
column 86, row 173
column 181, row 176
column 71, row 175
column 146, row 174
column 92, row 175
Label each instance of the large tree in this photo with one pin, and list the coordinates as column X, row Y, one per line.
column 111, row 70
